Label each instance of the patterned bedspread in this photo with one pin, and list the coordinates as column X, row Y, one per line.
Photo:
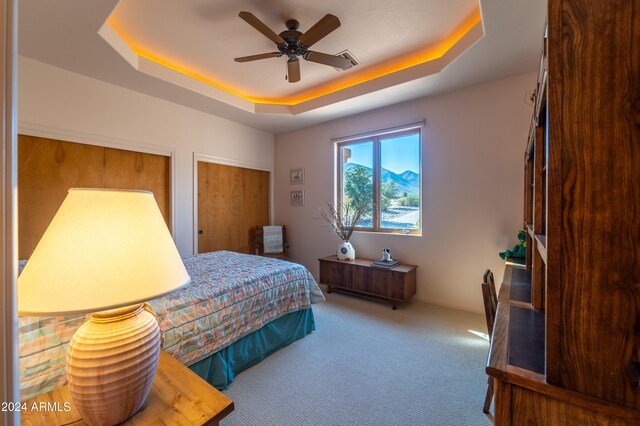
column 230, row 296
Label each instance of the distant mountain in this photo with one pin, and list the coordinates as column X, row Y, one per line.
column 406, row 181
column 412, row 177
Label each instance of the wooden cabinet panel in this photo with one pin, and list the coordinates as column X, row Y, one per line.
column 532, row 408
column 593, row 263
column 332, row 273
column 396, row 284
column 363, row 279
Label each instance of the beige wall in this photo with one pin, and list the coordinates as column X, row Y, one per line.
column 74, row 107
column 472, row 170
column 473, row 145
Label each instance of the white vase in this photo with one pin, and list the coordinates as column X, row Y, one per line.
column 346, row 251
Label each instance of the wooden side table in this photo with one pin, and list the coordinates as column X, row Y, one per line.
column 178, row 396
column 395, row 285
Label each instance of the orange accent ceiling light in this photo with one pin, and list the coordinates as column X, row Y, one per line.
column 353, row 79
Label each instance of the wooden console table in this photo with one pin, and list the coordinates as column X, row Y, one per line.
column 395, row 285
column 177, row 396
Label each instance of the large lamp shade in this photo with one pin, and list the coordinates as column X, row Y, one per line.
column 104, row 249
column 109, row 251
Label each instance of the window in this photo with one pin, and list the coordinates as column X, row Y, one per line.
column 383, row 171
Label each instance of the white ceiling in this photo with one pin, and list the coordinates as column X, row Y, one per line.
column 206, row 35
column 63, row 33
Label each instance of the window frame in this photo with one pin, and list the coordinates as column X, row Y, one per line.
column 375, row 138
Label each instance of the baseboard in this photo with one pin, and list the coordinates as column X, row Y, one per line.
column 452, row 306
column 323, row 287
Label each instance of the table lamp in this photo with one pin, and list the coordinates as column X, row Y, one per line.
column 106, row 252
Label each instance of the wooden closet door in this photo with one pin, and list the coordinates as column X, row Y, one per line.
column 47, row 168
column 138, row 170
column 232, row 201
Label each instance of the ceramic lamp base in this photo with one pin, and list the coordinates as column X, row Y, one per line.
column 111, row 362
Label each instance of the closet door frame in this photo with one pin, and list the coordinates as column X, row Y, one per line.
column 206, row 158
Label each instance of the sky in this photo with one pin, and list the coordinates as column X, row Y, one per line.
column 398, row 153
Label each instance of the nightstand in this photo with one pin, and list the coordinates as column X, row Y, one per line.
column 177, row 396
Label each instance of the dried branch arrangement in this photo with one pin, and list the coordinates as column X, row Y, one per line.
column 343, row 217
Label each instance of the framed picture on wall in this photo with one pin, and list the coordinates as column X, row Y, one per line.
column 296, row 198
column 296, row 176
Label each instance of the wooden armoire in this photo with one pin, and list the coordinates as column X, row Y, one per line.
column 566, row 343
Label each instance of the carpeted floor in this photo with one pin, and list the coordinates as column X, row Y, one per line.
column 369, row 365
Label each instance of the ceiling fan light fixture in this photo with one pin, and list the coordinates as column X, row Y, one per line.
column 295, row 44
column 293, row 70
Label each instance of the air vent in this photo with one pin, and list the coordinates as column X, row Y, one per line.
column 347, row 55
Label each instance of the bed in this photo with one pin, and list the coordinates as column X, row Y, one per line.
column 237, row 310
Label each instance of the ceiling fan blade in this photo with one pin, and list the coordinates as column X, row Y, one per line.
column 260, row 56
column 293, row 70
column 250, row 19
column 320, row 30
column 331, row 60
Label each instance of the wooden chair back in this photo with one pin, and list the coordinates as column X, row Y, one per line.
column 260, row 244
column 490, row 299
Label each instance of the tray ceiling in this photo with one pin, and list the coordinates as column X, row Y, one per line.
column 193, row 43
column 65, row 34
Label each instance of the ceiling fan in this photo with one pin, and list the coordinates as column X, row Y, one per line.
column 295, row 44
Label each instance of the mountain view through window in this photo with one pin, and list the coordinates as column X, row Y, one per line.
column 384, row 173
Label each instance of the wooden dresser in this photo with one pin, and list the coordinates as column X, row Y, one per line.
column 566, row 343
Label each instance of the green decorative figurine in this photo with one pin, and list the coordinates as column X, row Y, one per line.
column 519, row 250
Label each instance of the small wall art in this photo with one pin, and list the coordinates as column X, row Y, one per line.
column 296, row 176
column 296, row 198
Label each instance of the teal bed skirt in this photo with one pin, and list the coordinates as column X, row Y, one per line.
column 220, row 368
